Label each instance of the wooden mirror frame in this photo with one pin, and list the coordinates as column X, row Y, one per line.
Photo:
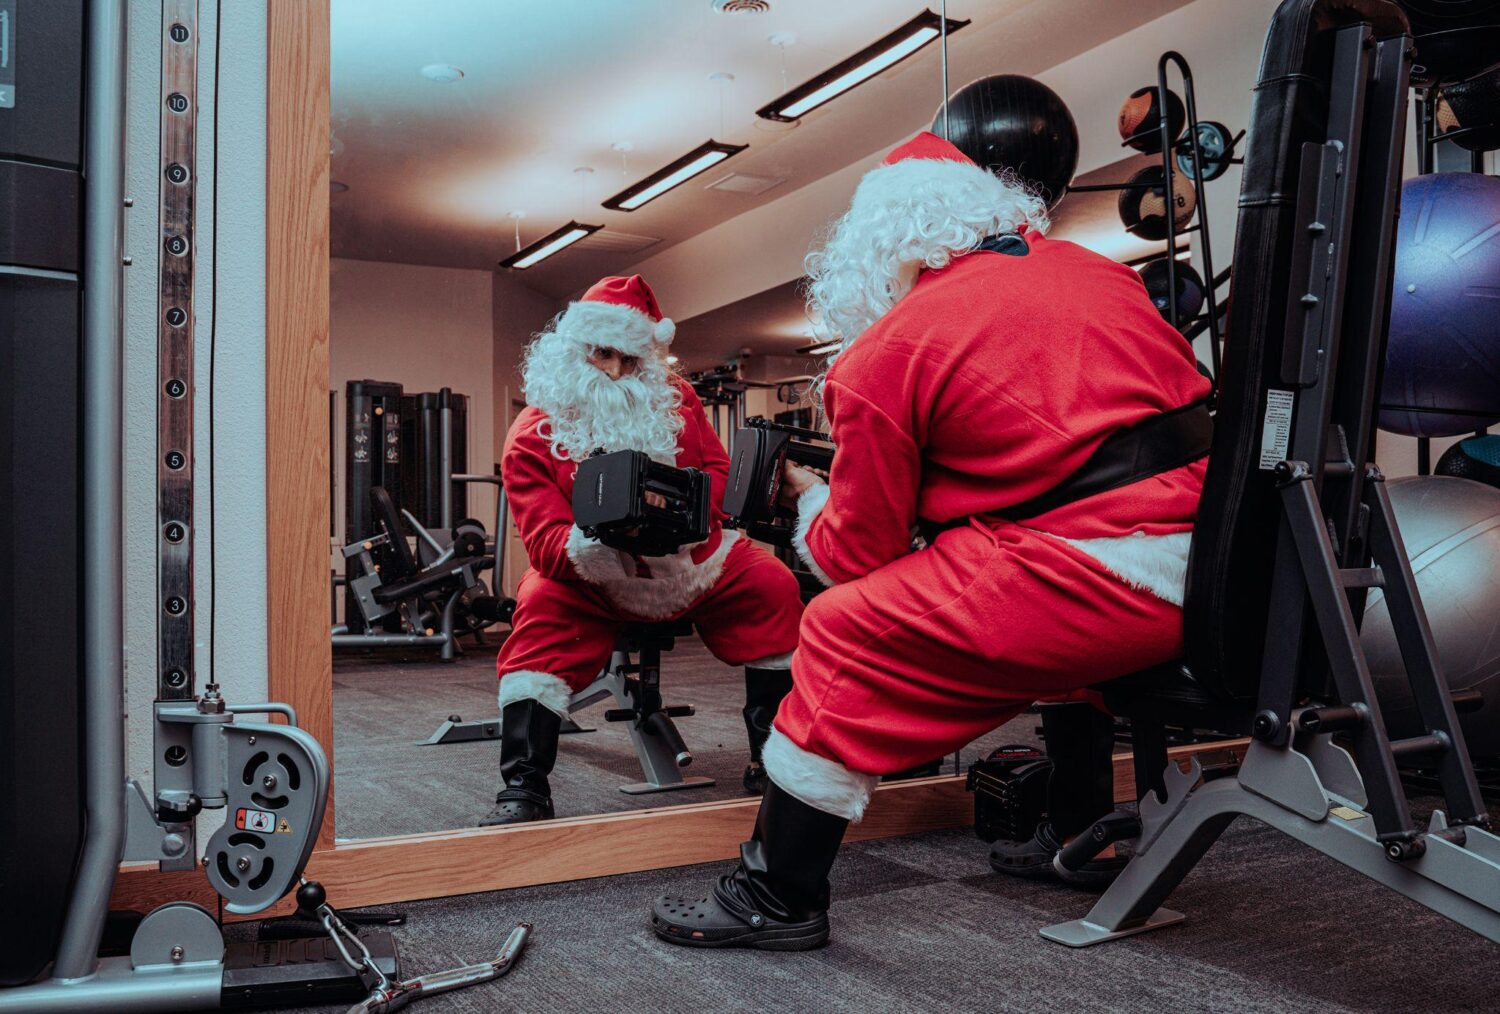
column 437, row 864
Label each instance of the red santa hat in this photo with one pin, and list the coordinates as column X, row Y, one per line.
column 928, row 146
column 618, row 313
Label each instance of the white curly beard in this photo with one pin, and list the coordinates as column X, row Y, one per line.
column 587, row 411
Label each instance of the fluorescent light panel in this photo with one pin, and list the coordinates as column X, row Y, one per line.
column 874, row 58
column 553, row 242
column 674, row 174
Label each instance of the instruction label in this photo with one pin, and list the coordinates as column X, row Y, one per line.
column 1276, row 434
column 254, row 820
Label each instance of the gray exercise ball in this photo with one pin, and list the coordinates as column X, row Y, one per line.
column 1451, row 528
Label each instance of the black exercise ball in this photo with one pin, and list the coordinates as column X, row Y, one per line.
column 1189, row 289
column 1143, row 204
column 1455, row 39
column 1442, row 363
column 1476, row 458
column 1472, row 108
column 1012, row 122
column 1140, row 119
column 1451, row 528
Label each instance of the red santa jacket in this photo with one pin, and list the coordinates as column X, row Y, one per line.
column 990, row 382
column 539, row 490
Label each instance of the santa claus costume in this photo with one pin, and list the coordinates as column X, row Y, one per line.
column 577, row 593
column 980, row 365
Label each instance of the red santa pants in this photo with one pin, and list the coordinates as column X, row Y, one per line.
column 567, row 629
column 922, row 656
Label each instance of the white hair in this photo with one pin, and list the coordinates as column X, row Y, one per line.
column 587, row 411
column 915, row 213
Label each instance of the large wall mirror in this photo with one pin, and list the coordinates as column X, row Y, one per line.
column 482, row 130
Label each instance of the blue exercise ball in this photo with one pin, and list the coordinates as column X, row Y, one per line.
column 1442, row 365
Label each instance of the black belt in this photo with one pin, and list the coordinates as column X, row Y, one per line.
column 1157, row 444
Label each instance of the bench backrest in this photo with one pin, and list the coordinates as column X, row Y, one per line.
column 1308, row 312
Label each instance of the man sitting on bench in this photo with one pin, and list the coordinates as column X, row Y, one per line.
column 1023, row 398
column 597, row 379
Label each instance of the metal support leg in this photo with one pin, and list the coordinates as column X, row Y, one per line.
column 1281, row 787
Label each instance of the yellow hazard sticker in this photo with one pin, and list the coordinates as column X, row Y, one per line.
column 1342, row 812
column 283, row 827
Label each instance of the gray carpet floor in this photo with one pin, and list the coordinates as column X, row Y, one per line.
column 920, row 924
column 388, row 783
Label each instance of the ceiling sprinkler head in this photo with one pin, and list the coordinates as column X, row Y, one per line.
column 442, row 72
column 741, row 6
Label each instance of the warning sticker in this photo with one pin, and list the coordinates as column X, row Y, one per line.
column 283, row 827
column 1346, row 813
column 1276, row 434
column 254, row 820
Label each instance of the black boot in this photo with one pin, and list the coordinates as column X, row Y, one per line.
column 764, row 689
column 1080, row 743
column 528, row 750
column 777, row 899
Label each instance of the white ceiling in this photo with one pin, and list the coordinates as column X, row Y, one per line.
column 433, row 169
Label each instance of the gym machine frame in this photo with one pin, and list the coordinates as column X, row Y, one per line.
column 271, row 779
column 1337, row 538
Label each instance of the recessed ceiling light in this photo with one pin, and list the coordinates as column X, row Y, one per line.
column 441, row 72
column 335, row 187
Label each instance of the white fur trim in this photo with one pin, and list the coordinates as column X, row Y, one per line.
column 595, row 562
column 1003, row 190
column 1151, row 563
column 665, row 331
column 817, row 781
column 609, row 325
column 812, row 500
column 550, row 691
column 782, row 661
column 676, row 582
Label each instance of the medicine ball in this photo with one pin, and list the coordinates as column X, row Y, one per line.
column 1451, row 528
column 1189, row 289
column 1455, row 39
column 1012, row 122
column 1476, row 458
column 1140, row 119
column 1143, row 206
column 1444, row 350
column 1472, row 106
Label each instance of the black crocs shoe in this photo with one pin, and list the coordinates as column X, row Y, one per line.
column 720, row 921
column 777, row 898
column 516, row 806
column 1032, row 860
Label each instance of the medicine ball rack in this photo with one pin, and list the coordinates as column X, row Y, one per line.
column 1187, row 152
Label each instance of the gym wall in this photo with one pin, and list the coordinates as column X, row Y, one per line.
column 424, row 328
column 230, row 307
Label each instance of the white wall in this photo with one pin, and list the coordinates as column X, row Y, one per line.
column 422, row 327
column 230, row 335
